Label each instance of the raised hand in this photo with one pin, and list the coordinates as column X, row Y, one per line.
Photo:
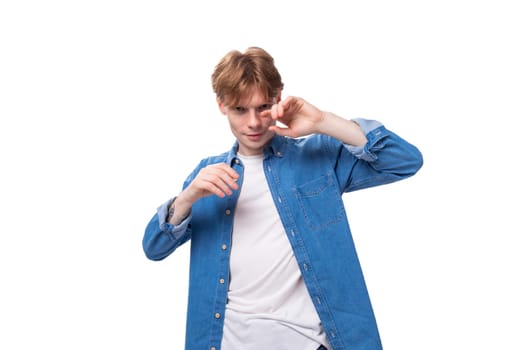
column 300, row 117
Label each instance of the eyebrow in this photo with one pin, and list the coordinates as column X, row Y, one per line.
column 259, row 105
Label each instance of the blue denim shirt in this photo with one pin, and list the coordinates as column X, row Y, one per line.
column 307, row 178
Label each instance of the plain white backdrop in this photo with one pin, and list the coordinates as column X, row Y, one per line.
column 106, row 106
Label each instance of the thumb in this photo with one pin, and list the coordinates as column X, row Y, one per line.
column 282, row 131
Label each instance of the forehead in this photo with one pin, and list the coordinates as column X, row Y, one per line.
column 253, row 97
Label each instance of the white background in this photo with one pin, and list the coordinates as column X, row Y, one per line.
column 107, row 105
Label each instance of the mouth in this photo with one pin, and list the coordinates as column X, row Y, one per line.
column 254, row 137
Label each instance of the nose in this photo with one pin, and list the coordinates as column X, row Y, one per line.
column 254, row 120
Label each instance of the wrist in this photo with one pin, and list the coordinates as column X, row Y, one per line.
column 178, row 211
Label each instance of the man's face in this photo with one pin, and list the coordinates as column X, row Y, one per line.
column 247, row 124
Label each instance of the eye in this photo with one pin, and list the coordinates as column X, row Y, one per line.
column 264, row 107
column 239, row 109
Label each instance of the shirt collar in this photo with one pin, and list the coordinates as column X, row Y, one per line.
column 274, row 148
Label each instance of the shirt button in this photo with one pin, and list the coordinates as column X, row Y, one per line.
column 228, row 211
column 237, row 161
column 217, row 315
column 221, row 281
column 224, row 246
column 279, row 154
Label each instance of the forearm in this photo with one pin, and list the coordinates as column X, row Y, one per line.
column 346, row 131
column 179, row 209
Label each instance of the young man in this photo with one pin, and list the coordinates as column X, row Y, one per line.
column 273, row 264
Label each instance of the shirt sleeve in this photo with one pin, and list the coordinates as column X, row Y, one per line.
column 176, row 230
column 365, row 152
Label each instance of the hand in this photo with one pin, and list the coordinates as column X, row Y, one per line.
column 300, row 117
column 218, row 179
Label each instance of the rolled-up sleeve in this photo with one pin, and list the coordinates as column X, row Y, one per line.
column 162, row 238
column 385, row 158
column 365, row 152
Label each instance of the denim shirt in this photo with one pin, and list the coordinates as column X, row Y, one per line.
column 307, row 178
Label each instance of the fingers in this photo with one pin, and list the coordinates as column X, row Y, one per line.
column 218, row 179
column 283, row 131
column 286, row 108
column 280, row 108
column 277, row 111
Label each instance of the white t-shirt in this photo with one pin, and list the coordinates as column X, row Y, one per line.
column 268, row 304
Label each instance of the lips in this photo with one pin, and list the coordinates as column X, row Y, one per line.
column 254, row 137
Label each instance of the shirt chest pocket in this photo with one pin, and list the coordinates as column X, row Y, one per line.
column 320, row 202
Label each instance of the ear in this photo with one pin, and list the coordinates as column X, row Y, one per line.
column 221, row 105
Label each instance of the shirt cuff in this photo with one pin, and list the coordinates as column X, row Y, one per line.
column 176, row 230
column 374, row 132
